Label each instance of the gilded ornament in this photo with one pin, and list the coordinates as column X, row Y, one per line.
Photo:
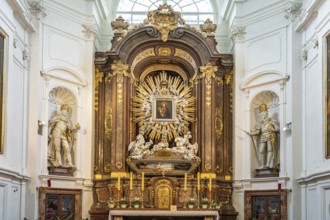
column 107, row 168
column 108, row 122
column 208, row 72
column 164, row 19
column 97, row 80
column 208, row 167
column 143, row 55
column 164, row 51
column 208, row 27
column 119, row 165
column 218, row 123
column 186, row 56
column 168, row 89
column 119, row 24
column 120, row 70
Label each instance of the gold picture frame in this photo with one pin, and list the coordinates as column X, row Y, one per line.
column 163, row 109
column 327, row 96
column 3, row 40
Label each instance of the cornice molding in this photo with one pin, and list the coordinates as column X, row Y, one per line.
column 14, row 175
column 24, row 15
column 314, row 177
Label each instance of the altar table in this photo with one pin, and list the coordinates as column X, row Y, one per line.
column 163, row 214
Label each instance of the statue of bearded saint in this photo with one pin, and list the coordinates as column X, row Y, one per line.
column 266, row 129
column 60, row 138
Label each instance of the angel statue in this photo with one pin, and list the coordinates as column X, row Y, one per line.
column 139, row 148
column 60, row 138
column 266, row 129
column 184, row 147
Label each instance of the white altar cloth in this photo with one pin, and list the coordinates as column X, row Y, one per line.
column 191, row 213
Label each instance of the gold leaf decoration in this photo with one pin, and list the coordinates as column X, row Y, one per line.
column 164, row 87
column 164, row 19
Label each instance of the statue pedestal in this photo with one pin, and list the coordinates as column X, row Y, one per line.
column 61, row 171
column 266, row 172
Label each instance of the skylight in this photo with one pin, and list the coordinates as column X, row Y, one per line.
column 193, row 11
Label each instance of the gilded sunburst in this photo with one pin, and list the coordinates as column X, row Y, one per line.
column 164, row 107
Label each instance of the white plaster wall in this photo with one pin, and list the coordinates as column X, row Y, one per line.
column 314, row 178
column 63, row 58
column 13, row 176
column 263, row 61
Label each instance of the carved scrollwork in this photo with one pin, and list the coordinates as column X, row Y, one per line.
column 108, row 122
column 208, row 72
column 164, row 19
column 107, row 168
column 218, row 123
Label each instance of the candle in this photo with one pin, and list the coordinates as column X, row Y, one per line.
column 131, row 181
column 198, row 181
column 185, row 182
column 210, row 184
column 118, row 185
column 142, row 184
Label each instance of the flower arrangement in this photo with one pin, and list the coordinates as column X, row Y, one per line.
column 191, row 203
column 111, row 203
column 204, row 203
column 216, row 205
column 123, row 203
column 136, row 203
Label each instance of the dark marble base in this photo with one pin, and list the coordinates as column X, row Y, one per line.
column 61, row 171
column 266, row 172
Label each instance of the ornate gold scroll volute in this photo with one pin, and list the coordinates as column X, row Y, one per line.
column 164, row 19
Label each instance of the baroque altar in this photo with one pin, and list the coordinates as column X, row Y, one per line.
column 163, row 118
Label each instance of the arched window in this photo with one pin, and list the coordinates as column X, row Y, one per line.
column 193, row 11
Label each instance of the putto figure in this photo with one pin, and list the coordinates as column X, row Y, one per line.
column 266, row 129
column 60, row 138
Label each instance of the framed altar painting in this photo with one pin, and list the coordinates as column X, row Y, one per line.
column 327, row 65
column 163, row 109
column 2, row 70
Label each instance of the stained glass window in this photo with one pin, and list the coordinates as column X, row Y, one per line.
column 193, row 11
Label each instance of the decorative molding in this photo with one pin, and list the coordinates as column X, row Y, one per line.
column 164, row 19
column 263, row 78
column 304, row 55
column 26, row 54
column 98, row 78
column 89, row 30
column 62, row 95
column 237, row 33
column 208, row 27
column 108, row 123
column 120, row 70
column 218, row 123
column 293, row 11
column 268, row 97
column 312, row 178
column 315, row 43
column 13, row 175
column 208, row 72
column 37, row 9
column 119, row 24
column 64, row 74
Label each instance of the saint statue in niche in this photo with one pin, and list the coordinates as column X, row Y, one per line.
column 60, row 138
column 266, row 130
